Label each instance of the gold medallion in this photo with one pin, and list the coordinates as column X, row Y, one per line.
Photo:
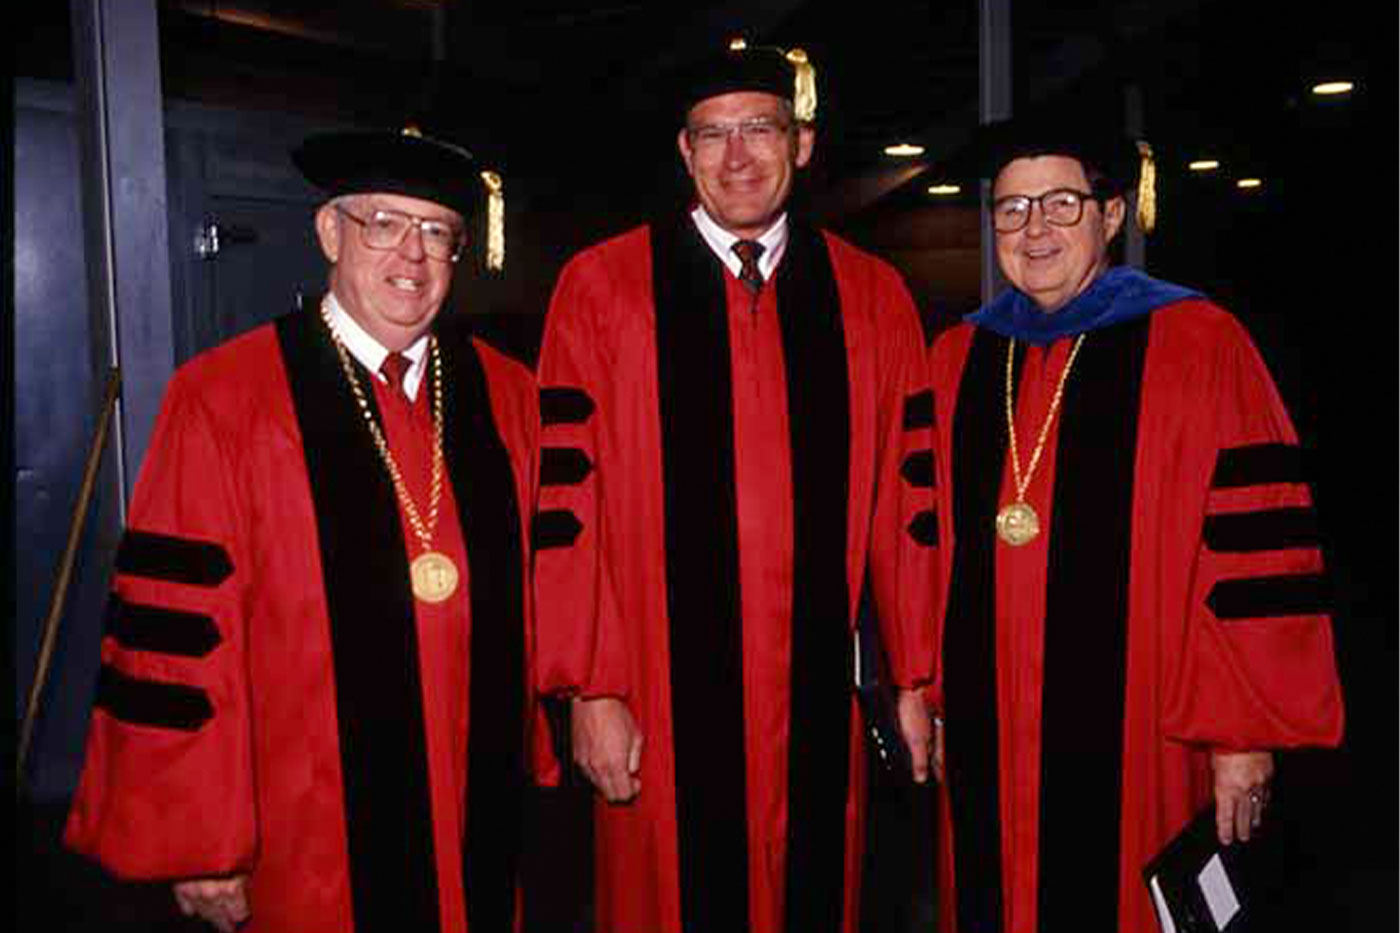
column 1017, row 524
column 434, row 576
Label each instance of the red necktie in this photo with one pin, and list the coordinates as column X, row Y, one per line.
column 748, row 252
column 394, row 368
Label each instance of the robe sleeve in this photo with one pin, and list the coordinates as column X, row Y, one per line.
column 515, row 407
column 167, row 786
column 945, row 359
column 904, row 532
column 1257, row 668
column 580, row 641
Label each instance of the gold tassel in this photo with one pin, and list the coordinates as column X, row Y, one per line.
column 1147, row 189
column 804, row 98
column 495, row 221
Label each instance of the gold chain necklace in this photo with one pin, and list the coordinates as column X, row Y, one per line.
column 434, row 576
column 1017, row 522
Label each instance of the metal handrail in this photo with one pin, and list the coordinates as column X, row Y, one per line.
column 65, row 574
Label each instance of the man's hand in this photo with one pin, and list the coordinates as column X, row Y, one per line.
column 937, row 762
column 918, row 733
column 1241, row 792
column 220, row 901
column 608, row 747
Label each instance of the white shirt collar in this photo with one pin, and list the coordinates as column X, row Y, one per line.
column 721, row 242
column 370, row 353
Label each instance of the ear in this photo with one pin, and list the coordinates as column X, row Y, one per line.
column 806, row 141
column 687, row 154
column 1115, row 211
column 328, row 232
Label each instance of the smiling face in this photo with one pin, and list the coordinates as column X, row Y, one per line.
column 1048, row 263
column 744, row 184
column 394, row 294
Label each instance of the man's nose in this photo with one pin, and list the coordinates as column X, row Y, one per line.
column 735, row 149
column 412, row 245
column 1035, row 220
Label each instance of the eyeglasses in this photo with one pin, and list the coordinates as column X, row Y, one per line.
column 386, row 229
column 760, row 132
column 1062, row 207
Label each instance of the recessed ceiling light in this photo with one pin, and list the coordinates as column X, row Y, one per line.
column 904, row 150
column 944, row 190
column 1333, row 87
column 1247, row 183
column 1204, row 165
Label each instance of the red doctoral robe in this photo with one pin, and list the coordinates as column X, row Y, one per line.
column 273, row 701
column 1172, row 604
column 701, row 547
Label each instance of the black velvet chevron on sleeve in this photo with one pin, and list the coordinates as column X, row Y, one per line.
column 918, row 410
column 173, row 559
column 918, row 469
column 140, row 627
column 1265, row 530
column 555, row 528
column 1270, row 597
column 923, row 528
column 564, row 466
column 565, row 405
column 141, row 702
column 1258, row 464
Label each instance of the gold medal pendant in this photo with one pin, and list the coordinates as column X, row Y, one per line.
column 434, row 576
column 1017, row 524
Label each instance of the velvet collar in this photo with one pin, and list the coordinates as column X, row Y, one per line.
column 1119, row 294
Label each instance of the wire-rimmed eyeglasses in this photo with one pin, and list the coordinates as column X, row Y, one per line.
column 386, row 229
column 763, row 132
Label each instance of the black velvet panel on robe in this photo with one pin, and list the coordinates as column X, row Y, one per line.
column 378, row 691
column 702, row 567
column 484, row 487
column 1085, row 631
column 374, row 642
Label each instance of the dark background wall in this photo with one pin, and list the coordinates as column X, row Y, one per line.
column 580, row 127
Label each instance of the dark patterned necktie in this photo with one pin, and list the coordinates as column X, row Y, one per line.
column 748, row 252
column 394, row 368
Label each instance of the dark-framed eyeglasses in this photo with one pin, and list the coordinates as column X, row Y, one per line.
column 1061, row 207
column 762, row 132
column 387, row 229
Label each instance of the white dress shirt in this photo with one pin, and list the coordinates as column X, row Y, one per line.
column 721, row 241
column 371, row 354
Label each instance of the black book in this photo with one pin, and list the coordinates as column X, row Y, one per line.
column 878, row 698
column 1200, row 886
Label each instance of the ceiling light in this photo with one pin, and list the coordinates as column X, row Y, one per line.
column 1248, row 183
column 904, row 150
column 944, row 190
column 1333, row 87
column 1204, row 165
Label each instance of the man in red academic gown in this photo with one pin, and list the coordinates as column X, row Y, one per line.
column 735, row 430
column 1134, row 604
column 311, row 712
